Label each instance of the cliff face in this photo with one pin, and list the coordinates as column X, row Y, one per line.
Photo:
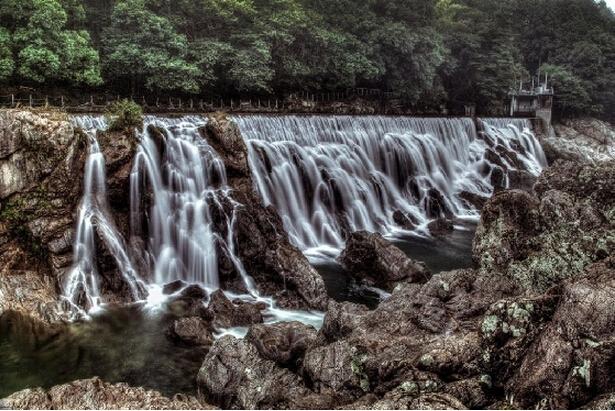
column 42, row 159
column 41, row 164
column 582, row 140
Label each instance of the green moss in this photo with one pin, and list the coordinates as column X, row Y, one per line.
column 358, row 368
column 490, row 324
column 583, row 371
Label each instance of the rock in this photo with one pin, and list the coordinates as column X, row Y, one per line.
column 96, row 394
column 435, row 205
column 475, row 200
column 569, row 363
column 341, row 319
column 405, row 221
column 371, row 257
column 173, row 287
column 189, row 302
column 582, row 140
column 226, row 314
column 41, row 157
column 234, row 375
column 285, row 342
column 508, row 223
column 224, row 136
column 337, row 370
column 192, row 331
column 539, row 239
column 441, row 227
column 521, row 180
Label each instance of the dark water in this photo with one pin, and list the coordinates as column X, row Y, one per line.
column 450, row 252
column 130, row 345
column 123, row 345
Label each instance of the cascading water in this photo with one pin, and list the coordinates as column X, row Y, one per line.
column 82, row 288
column 330, row 174
column 188, row 186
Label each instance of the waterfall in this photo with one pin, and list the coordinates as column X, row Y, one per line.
column 189, row 191
column 82, row 285
column 327, row 175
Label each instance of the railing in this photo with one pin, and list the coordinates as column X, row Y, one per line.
column 99, row 103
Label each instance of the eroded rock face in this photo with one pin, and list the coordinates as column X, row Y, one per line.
column 225, row 314
column 540, row 239
column 581, row 140
column 285, row 342
column 41, row 164
column 97, row 394
column 234, row 375
column 370, row 257
column 278, row 267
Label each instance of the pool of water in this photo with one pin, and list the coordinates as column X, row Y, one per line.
column 450, row 252
column 121, row 345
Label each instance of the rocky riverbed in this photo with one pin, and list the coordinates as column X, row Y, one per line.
column 530, row 325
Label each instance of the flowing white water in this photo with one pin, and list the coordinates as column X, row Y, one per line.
column 82, row 286
column 323, row 174
column 188, row 188
column 330, row 174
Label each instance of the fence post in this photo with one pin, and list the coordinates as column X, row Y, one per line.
column 12, row 100
column 62, row 100
column 46, row 101
column 91, row 100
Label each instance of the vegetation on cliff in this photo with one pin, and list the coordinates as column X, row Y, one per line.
column 425, row 52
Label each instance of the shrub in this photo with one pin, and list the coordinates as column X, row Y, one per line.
column 124, row 114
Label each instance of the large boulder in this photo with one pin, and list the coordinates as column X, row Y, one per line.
column 378, row 262
column 224, row 313
column 539, row 239
column 234, row 375
column 284, row 342
column 95, row 394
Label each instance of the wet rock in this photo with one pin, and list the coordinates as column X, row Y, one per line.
column 441, row 227
column 193, row 331
column 405, row 221
column 370, row 257
column 224, row 136
column 225, row 314
column 119, row 149
column 435, row 205
column 234, row 375
column 97, row 394
column 285, row 342
column 173, row 287
column 476, row 200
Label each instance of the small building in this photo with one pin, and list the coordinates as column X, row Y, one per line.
column 533, row 100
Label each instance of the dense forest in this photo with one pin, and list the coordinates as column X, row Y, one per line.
column 427, row 52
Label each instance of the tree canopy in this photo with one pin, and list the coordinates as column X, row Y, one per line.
column 427, row 52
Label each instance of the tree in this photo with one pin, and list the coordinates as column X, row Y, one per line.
column 7, row 64
column 144, row 49
column 46, row 50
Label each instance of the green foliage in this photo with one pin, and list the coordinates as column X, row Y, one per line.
column 124, row 115
column 47, row 50
column 7, row 65
column 142, row 48
column 427, row 52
